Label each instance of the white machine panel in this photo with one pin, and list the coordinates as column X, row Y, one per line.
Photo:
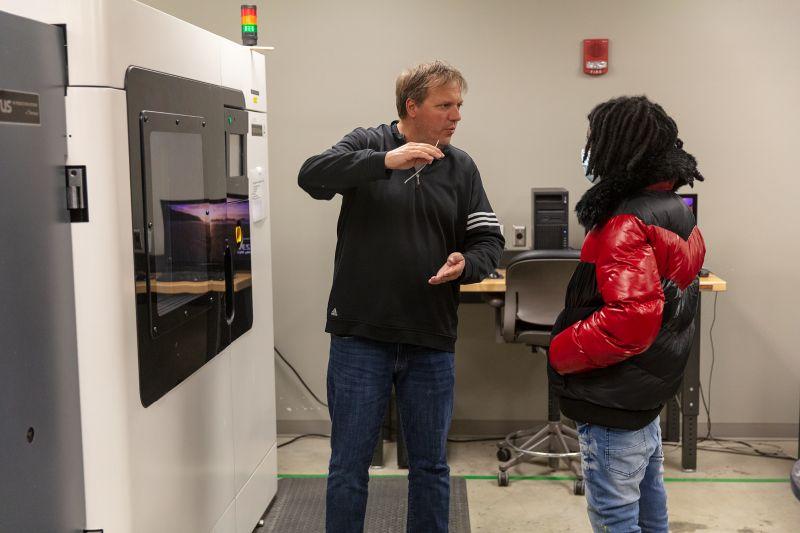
column 203, row 457
column 245, row 73
column 253, row 360
column 170, row 465
column 107, row 36
column 48, row 11
column 97, row 137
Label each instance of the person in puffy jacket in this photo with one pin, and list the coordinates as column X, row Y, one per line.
column 620, row 346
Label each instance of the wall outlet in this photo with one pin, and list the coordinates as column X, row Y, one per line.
column 519, row 236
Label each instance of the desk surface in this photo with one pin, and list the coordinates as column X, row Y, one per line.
column 710, row 283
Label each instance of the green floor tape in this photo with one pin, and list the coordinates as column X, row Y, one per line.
column 571, row 478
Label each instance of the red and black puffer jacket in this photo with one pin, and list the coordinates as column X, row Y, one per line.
column 620, row 346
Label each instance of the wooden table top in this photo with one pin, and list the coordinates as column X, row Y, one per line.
column 711, row 283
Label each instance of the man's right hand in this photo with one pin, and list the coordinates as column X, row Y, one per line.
column 410, row 155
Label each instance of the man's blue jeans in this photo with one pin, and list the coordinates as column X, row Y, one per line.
column 624, row 473
column 360, row 377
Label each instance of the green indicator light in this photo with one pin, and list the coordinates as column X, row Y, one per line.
column 249, row 28
column 230, row 120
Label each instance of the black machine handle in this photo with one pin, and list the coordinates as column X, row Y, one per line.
column 230, row 307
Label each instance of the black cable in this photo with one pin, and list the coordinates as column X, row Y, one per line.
column 780, row 454
column 713, row 361
column 753, row 451
column 296, row 373
column 297, row 438
column 298, row 377
column 748, row 454
column 707, row 405
column 385, row 426
column 713, row 355
column 746, row 449
column 749, row 449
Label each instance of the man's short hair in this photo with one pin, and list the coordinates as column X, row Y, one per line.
column 414, row 83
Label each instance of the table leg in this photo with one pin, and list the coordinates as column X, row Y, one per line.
column 690, row 399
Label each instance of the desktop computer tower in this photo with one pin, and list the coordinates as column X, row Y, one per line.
column 550, row 214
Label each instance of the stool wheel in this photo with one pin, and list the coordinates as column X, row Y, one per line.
column 502, row 479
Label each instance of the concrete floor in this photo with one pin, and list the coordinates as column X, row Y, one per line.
column 733, row 493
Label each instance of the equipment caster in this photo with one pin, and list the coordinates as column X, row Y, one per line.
column 502, row 479
column 580, row 487
column 503, row 455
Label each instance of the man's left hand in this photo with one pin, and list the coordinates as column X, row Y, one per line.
column 451, row 270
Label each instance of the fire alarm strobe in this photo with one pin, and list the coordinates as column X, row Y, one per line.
column 595, row 56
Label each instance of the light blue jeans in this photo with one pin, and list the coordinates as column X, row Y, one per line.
column 624, row 475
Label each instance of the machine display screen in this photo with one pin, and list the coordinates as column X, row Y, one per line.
column 235, row 155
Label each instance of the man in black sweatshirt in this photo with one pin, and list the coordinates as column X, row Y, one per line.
column 414, row 224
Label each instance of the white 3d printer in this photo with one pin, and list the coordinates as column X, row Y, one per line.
column 136, row 367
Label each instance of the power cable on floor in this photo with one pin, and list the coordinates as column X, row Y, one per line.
column 299, row 377
column 296, row 373
column 297, row 438
column 745, row 448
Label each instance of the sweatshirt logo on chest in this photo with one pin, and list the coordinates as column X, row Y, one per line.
column 334, row 313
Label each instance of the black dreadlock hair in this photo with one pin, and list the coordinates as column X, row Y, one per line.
column 632, row 143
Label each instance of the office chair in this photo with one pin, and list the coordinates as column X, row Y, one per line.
column 795, row 475
column 536, row 285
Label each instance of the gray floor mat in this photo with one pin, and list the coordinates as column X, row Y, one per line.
column 299, row 506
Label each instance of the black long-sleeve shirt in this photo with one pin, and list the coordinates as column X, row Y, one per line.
column 393, row 236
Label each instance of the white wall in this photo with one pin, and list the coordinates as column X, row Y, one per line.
column 726, row 70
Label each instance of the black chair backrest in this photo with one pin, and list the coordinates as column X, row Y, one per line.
column 536, row 283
